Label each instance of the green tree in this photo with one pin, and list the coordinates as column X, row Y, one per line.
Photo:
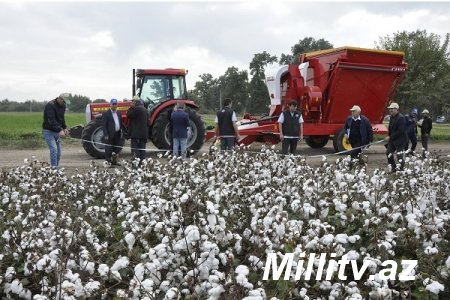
column 259, row 100
column 308, row 44
column 206, row 93
column 78, row 103
column 234, row 85
column 427, row 81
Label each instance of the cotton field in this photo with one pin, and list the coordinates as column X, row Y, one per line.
column 203, row 228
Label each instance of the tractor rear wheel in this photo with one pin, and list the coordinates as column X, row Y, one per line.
column 317, row 141
column 162, row 137
column 340, row 142
column 92, row 139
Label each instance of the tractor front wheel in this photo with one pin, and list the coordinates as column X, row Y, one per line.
column 340, row 142
column 317, row 141
column 92, row 139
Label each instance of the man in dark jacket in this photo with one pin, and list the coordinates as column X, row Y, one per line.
column 138, row 129
column 411, row 131
column 226, row 126
column 425, row 129
column 54, row 127
column 396, row 137
column 112, row 132
column 180, row 124
column 358, row 131
column 291, row 128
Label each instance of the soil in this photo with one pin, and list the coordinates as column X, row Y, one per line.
column 75, row 159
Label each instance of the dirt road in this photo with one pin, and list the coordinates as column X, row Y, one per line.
column 74, row 156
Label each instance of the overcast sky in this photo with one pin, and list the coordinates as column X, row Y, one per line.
column 90, row 48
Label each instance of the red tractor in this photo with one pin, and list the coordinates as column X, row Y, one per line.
column 160, row 90
column 326, row 84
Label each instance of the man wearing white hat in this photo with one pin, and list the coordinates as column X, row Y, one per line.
column 358, row 131
column 396, row 138
column 54, row 126
column 425, row 129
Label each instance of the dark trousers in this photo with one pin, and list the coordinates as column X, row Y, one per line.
column 138, row 148
column 425, row 138
column 289, row 145
column 227, row 143
column 390, row 150
column 355, row 152
column 413, row 138
column 113, row 145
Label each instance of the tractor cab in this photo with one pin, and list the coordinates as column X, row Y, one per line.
column 157, row 86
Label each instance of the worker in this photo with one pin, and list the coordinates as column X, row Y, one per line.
column 180, row 125
column 358, row 131
column 291, row 128
column 138, row 129
column 411, row 131
column 226, row 126
column 425, row 125
column 112, row 132
column 396, row 138
column 54, row 127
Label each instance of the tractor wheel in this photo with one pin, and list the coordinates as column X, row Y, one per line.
column 339, row 141
column 162, row 137
column 92, row 139
column 317, row 141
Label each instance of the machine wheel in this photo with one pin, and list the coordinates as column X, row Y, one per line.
column 317, row 141
column 339, row 141
column 92, row 137
column 161, row 135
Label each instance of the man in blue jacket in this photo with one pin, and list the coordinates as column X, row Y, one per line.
column 411, row 131
column 358, row 131
column 180, row 124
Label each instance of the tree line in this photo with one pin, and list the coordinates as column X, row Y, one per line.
column 426, row 83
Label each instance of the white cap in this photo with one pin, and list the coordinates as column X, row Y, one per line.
column 394, row 105
column 425, row 111
column 355, row 108
column 136, row 97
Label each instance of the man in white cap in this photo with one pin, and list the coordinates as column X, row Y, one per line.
column 112, row 132
column 396, row 138
column 54, row 126
column 358, row 131
column 425, row 129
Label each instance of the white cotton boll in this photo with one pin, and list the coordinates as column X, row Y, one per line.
column 215, row 292
column 447, row 262
column 435, row 287
column 120, row 264
column 352, row 255
column 383, row 211
column 341, row 238
column 242, row 270
column 431, row 250
column 354, row 238
column 91, row 287
column 172, row 294
column 148, row 285
column 327, row 239
column 210, row 166
column 130, row 240
column 184, row 198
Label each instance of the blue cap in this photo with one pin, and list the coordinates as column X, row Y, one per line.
column 414, row 110
column 113, row 101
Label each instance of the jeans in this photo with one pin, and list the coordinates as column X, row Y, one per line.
column 138, row 148
column 289, row 144
column 54, row 145
column 227, row 143
column 179, row 147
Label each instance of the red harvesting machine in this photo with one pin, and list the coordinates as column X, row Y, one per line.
column 326, row 84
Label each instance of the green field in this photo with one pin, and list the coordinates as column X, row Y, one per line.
column 24, row 129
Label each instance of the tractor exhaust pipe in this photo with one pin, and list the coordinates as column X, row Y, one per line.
column 133, row 92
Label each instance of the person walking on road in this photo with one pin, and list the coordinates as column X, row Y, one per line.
column 112, row 132
column 138, row 129
column 358, row 131
column 396, row 138
column 411, row 131
column 180, row 125
column 425, row 129
column 291, row 128
column 54, row 127
column 226, row 126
